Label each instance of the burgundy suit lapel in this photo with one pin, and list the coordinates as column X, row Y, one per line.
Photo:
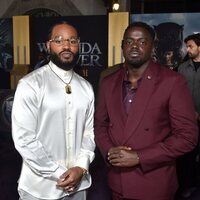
column 141, row 100
column 117, row 94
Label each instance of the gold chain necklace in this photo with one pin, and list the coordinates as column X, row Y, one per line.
column 68, row 88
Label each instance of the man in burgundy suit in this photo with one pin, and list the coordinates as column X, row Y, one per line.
column 144, row 120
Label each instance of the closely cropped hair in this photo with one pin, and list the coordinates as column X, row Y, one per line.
column 142, row 25
column 52, row 27
column 194, row 37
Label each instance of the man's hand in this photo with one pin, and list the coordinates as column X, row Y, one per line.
column 70, row 179
column 122, row 156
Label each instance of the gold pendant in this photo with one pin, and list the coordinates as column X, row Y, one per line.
column 68, row 89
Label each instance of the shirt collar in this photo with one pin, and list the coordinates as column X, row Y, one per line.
column 66, row 75
column 126, row 82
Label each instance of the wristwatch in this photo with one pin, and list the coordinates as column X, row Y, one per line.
column 85, row 172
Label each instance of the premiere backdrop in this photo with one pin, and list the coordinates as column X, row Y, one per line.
column 17, row 59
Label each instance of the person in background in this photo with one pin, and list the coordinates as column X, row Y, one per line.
column 168, row 57
column 52, row 124
column 144, row 120
column 190, row 69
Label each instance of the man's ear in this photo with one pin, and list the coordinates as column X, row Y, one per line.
column 122, row 44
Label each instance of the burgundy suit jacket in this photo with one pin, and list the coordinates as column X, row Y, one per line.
column 161, row 126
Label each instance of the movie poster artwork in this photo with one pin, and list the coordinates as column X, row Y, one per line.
column 170, row 29
column 93, row 49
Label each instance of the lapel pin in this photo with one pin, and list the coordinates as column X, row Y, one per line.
column 149, row 77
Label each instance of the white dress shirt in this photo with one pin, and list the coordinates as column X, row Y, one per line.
column 52, row 130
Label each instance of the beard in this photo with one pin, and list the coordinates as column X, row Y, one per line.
column 136, row 63
column 192, row 55
column 65, row 65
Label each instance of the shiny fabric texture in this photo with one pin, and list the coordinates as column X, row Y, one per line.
column 52, row 130
column 81, row 195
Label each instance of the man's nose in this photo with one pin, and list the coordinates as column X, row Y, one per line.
column 66, row 43
column 134, row 44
